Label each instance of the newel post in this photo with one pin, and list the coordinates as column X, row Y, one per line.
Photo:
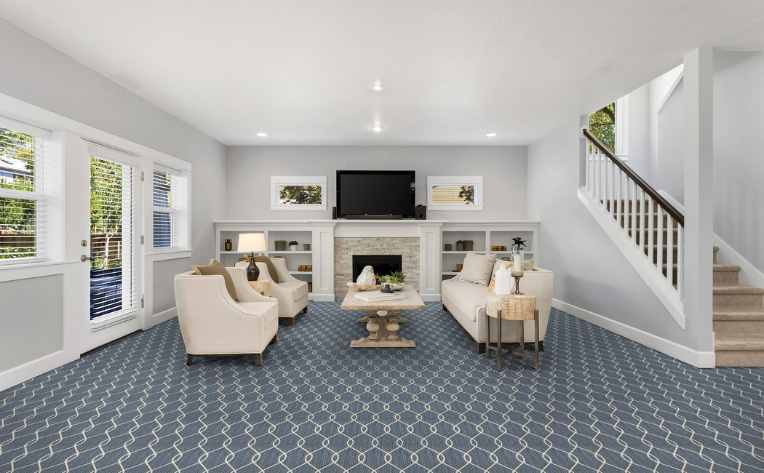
column 698, row 197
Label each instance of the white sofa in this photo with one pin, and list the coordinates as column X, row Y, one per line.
column 213, row 323
column 292, row 293
column 467, row 303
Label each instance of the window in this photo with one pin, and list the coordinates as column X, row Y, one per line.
column 609, row 125
column 22, row 202
column 298, row 192
column 169, row 217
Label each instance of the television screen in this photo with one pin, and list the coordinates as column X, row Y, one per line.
column 375, row 194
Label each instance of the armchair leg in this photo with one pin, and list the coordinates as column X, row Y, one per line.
column 275, row 339
column 189, row 359
column 258, row 359
column 480, row 347
column 305, row 310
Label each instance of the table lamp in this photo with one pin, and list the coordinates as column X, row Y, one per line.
column 252, row 243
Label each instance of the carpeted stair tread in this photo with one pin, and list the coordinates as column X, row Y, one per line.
column 740, row 342
column 732, row 290
column 738, row 315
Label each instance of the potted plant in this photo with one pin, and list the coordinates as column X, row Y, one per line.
column 393, row 281
column 293, row 245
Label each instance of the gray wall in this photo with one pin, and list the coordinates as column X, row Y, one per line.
column 739, row 152
column 43, row 76
column 504, row 170
column 35, row 329
column 164, row 271
column 590, row 272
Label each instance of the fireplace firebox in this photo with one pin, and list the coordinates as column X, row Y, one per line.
column 382, row 264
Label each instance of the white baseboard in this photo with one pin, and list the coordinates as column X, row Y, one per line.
column 321, row 297
column 431, row 297
column 699, row 359
column 30, row 369
column 162, row 316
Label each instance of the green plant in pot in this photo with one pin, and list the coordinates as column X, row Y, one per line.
column 393, row 281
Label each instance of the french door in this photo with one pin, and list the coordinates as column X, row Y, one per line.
column 115, row 250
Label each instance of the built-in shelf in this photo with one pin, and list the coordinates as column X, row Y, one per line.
column 288, row 252
column 449, row 273
column 301, row 272
column 462, row 252
column 233, row 253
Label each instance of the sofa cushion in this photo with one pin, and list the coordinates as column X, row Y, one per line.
column 216, row 268
column 466, row 296
column 477, row 268
column 297, row 289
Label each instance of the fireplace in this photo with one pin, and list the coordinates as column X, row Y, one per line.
column 382, row 264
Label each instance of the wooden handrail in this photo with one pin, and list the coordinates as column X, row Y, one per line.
column 647, row 188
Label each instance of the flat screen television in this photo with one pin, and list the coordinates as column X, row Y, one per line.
column 375, row 194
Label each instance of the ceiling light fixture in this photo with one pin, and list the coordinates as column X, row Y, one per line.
column 491, row 134
column 377, row 86
column 377, row 127
column 262, row 134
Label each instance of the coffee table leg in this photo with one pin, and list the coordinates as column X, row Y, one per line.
column 372, row 326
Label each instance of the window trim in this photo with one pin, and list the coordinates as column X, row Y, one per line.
column 179, row 212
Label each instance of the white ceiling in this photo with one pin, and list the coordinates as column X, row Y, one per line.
column 452, row 70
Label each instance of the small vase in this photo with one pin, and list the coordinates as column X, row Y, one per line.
column 228, row 245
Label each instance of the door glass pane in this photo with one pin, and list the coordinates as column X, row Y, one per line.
column 112, row 288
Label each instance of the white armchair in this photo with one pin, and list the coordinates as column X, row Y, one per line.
column 213, row 323
column 291, row 293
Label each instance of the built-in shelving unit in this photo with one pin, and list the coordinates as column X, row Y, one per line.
column 482, row 240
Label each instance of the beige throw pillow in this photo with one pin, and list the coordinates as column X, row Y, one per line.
column 477, row 268
column 281, row 269
column 216, row 268
column 271, row 269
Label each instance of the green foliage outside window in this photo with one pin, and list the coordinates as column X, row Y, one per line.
column 106, row 213
column 18, row 217
column 602, row 126
column 300, row 194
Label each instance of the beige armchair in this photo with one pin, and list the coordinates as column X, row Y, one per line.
column 213, row 323
column 291, row 293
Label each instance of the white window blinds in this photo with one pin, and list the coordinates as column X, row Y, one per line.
column 22, row 198
column 113, row 287
column 169, row 204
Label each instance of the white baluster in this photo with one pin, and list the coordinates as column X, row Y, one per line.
column 670, row 251
column 659, row 243
column 589, row 169
column 679, row 267
column 618, row 207
column 650, row 227
column 634, row 211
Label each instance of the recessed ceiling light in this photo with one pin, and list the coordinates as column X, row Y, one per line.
column 377, row 128
column 491, row 134
column 377, row 86
column 262, row 134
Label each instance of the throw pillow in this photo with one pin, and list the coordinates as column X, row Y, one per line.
column 477, row 268
column 271, row 268
column 263, row 275
column 507, row 264
column 216, row 268
column 281, row 268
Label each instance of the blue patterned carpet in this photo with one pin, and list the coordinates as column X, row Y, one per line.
column 598, row 403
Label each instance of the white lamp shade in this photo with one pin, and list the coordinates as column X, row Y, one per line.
column 251, row 243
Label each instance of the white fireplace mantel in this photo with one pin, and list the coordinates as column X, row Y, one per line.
column 322, row 234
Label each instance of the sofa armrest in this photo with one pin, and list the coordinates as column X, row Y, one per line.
column 245, row 292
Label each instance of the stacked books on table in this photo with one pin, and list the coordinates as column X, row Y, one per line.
column 377, row 296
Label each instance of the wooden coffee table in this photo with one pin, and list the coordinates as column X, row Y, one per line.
column 383, row 319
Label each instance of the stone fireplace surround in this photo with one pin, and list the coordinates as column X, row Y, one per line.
column 346, row 248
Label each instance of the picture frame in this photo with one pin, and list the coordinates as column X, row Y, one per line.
column 455, row 192
column 298, row 192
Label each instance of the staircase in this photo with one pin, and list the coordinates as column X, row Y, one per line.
column 647, row 228
column 738, row 319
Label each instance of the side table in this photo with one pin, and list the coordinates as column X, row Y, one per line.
column 263, row 287
column 508, row 310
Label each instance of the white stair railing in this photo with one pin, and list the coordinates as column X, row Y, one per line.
column 652, row 223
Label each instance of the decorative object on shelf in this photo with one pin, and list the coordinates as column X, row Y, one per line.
column 305, row 268
column 228, row 245
column 252, row 243
column 293, row 245
column 448, row 247
column 459, row 245
column 280, row 245
column 420, row 212
column 455, row 192
column 459, row 267
column 469, row 245
column 298, row 192
column 498, row 248
column 367, row 277
column 392, row 282
column 306, row 246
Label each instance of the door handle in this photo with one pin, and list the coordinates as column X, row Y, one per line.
column 84, row 258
